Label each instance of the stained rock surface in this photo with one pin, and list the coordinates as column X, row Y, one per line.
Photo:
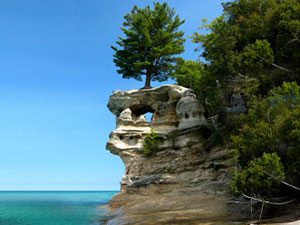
column 183, row 183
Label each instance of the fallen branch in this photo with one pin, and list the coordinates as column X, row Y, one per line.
column 263, row 202
column 268, row 202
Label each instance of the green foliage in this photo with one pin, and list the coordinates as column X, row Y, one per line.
column 252, row 49
column 189, row 74
column 151, row 143
column 293, row 161
column 288, row 95
column 189, row 144
column 193, row 75
column 269, row 132
column 172, row 137
column 270, row 124
column 289, row 130
column 152, row 39
column 257, row 41
column 261, row 178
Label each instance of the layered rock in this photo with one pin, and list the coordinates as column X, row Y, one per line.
column 181, row 184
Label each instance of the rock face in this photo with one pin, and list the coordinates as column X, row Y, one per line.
column 181, row 184
column 237, row 104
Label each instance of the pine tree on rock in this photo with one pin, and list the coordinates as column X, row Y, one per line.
column 151, row 43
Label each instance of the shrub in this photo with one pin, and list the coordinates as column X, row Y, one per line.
column 172, row 137
column 270, row 132
column 189, row 144
column 261, row 178
column 271, row 125
column 151, row 142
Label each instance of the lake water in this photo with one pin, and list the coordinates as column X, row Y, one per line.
column 53, row 208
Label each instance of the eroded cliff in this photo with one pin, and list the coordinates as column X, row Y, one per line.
column 182, row 183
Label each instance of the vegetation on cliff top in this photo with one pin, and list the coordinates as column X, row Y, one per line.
column 152, row 40
column 253, row 50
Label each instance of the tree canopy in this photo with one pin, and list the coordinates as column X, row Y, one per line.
column 253, row 49
column 151, row 41
column 271, row 127
column 257, row 39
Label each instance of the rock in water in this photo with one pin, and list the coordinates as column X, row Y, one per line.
column 180, row 184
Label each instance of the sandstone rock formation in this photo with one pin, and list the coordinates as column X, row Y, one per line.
column 181, row 184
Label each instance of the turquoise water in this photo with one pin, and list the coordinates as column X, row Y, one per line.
column 53, row 208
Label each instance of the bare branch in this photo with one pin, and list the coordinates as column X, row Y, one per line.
column 281, row 68
column 275, row 65
column 268, row 202
column 293, row 40
column 261, row 210
column 287, row 184
column 242, row 76
column 251, row 208
column 292, row 186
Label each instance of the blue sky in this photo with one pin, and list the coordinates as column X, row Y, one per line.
column 56, row 75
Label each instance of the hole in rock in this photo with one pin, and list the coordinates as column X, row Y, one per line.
column 149, row 116
column 187, row 116
column 143, row 110
column 205, row 133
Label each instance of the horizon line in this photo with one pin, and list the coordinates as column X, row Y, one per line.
column 56, row 190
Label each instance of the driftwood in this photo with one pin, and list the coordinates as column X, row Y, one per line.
column 256, row 200
column 263, row 202
column 269, row 202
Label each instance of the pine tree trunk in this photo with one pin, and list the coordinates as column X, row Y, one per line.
column 148, row 82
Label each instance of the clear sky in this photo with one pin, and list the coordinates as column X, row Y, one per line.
column 56, row 75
